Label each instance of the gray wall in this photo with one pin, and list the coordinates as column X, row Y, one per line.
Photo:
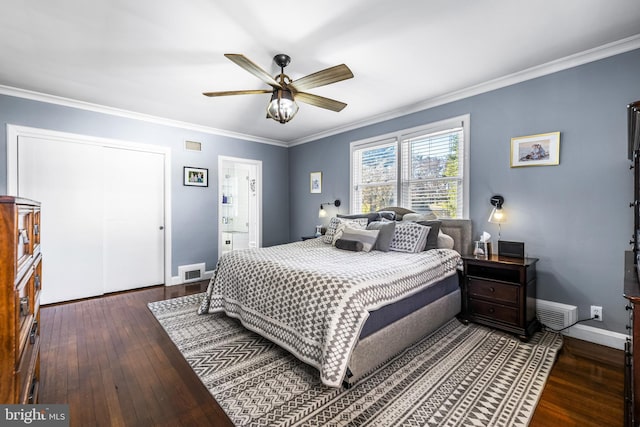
column 194, row 209
column 574, row 217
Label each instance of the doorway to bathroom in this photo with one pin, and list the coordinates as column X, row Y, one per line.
column 239, row 204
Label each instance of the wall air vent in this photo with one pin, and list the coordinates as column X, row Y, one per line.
column 193, row 146
column 191, row 273
column 556, row 315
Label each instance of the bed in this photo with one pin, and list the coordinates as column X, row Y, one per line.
column 342, row 312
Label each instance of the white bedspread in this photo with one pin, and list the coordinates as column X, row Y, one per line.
column 313, row 299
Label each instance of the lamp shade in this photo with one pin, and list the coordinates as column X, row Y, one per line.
column 282, row 106
column 497, row 216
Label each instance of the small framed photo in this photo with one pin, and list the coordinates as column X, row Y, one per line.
column 196, row 177
column 536, row 150
column 315, row 182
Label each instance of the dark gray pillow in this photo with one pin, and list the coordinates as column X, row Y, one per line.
column 432, row 237
column 349, row 245
column 373, row 216
column 385, row 236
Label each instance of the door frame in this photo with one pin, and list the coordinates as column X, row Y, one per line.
column 258, row 165
column 15, row 131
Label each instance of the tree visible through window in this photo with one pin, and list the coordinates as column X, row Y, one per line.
column 421, row 170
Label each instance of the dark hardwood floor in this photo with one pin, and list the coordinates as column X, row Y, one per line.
column 111, row 361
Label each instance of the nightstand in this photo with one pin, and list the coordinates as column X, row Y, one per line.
column 500, row 292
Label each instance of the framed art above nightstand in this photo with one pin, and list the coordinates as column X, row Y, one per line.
column 500, row 292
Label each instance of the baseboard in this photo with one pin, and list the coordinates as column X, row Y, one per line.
column 597, row 336
column 177, row 280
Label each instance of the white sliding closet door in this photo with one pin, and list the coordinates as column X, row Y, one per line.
column 134, row 219
column 67, row 179
column 102, row 215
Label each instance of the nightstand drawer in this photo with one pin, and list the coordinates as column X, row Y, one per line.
column 495, row 291
column 496, row 312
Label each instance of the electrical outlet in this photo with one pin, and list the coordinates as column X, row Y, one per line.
column 596, row 310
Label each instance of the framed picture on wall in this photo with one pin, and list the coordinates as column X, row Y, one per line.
column 536, row 150
column 196, row 177
column 315, row 182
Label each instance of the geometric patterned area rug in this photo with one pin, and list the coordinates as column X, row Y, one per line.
column 460, row 375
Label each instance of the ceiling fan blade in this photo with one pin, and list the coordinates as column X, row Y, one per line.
column 253, row 68
column 237, row 92
column 321, row 78
column 319, row 101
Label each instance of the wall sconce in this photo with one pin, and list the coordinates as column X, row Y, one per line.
column 322, row 212
column 498, row 215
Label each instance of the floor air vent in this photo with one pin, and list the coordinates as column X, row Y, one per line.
column 191, row 273
column 556, row 315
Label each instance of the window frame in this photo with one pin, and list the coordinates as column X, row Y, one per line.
column 463, row 121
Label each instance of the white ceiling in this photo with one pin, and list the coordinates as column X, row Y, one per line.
column 157, row 57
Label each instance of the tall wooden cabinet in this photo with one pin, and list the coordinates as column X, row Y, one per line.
column 20, row 286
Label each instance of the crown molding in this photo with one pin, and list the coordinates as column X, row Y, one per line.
column 88, row 106
column 611, row 49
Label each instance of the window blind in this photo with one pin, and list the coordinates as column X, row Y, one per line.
column 432, row 172
column 375, row 175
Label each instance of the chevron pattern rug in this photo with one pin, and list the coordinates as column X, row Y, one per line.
column 458, row 376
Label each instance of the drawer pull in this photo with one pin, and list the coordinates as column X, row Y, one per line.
column 33, row 392
column 24, row 306
column 23, row 236
column 37, row 281
column 492, row 289
column 36, row 229
column 492, row 310
column 33, row 333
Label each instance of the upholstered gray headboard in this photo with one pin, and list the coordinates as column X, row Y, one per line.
column 459, row 229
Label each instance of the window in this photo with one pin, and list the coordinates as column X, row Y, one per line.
column 420, row 168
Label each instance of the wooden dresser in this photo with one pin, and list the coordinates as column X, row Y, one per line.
column 20, row 285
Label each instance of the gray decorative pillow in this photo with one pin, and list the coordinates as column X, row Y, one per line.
column 366, row 237
column 421, row 216
column 387, row 230
column 333, row 224
column 373, row 216
column 432, row 238
column 409, row 237
column 349, row 245
column 390, row 215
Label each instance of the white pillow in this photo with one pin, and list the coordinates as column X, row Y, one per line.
column 445, row 241
column 359, row 223
column 366, row 237
column 409, row 237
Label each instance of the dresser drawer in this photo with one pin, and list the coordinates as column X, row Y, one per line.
column 24, row 307
column 500, row 313
column 494, row 291
column 24, row 238
column 28, row 369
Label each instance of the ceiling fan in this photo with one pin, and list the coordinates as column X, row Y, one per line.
column 285, row 92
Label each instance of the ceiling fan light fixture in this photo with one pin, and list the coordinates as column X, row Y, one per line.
column 282, row 106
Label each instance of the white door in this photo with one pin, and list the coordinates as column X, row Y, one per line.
column 66, row 178
column 102, row 213
column 133, row 219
